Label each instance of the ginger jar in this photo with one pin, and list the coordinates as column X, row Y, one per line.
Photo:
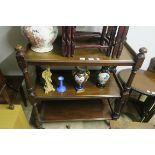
column 40, row 37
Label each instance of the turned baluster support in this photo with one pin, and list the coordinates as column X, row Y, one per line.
column 68, row 41
column 73, row 30
column 64, row 47
column 31, row 95
column 119, row 41
column 125, row 93
column 111, row 40
column 104, row 29
column 4, row 92
column 123, row 39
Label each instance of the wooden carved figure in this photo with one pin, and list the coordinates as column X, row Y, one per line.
column 46, row 75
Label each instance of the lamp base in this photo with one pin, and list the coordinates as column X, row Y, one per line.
column 61, row 89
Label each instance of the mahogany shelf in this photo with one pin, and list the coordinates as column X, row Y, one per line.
column 71, row 105
column 68, row 110
column 111, row 90
column 100, row 59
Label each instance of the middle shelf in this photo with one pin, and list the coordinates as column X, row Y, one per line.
column 111, row 90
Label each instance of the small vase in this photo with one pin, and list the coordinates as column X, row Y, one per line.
column 81, row 75
column 61, row 88
column 103, row 77
column 40, row 37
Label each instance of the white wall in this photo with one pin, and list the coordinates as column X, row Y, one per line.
column 10, row 36
column 143, row 36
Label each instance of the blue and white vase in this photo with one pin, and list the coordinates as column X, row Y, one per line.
column 103, row 76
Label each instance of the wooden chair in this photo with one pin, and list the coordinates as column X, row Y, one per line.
column 9, row 87
column 152, row 65
column 111, row 39
column 151, row 68
column 150, row 100
column 145, row 104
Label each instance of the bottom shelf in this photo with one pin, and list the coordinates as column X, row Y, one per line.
column 58, row 110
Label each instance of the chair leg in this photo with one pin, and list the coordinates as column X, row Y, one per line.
column 23, row 95
column 150, row 109
column 7, row 98
column 147, row 118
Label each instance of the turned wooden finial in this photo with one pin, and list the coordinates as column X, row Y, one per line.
column 143, row 50
column 19, row 48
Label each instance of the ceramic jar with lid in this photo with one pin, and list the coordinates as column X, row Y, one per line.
column 40, row 37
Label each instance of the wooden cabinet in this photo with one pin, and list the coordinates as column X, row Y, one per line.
column 91, row 104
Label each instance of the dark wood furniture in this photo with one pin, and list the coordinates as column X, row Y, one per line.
column 151, row 67
column 111, row 39
column 9, row 87
column 143, row 83
column 93, row 103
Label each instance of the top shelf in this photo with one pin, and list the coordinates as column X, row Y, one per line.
column 99, row 58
